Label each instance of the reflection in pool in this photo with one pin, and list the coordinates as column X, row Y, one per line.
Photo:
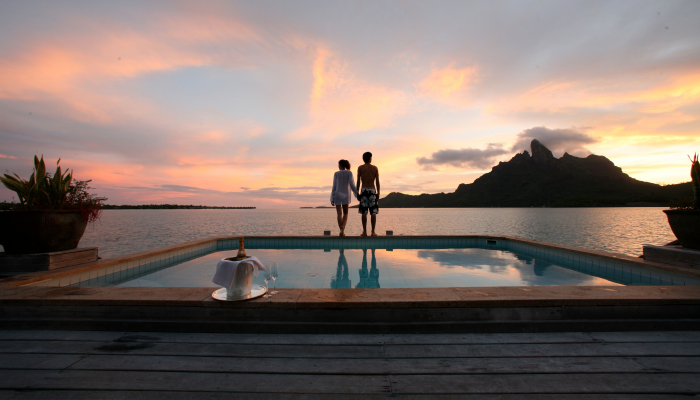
column 369, row 279
column 408, row 268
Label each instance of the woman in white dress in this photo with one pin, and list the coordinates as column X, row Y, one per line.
column 343, row 185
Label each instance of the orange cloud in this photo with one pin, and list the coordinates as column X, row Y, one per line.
column 216, row 136
column 644, row 96
column 342, row 103
column 449, row 85
column 67, row 72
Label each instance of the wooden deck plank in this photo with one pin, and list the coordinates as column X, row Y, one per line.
column 422, row 339
column 179, row 381
column 231, row 350
column 391, row 366
column 325, row 351
column 648, row 337
column 341, row 339
column 418, row 384
column 164, row 395
column 60, row 335
column 670, row 364
column 49, row 347
column 38, row 361
column 8, row 394
column 547, row 383
column 337, row 339
column 545, row 350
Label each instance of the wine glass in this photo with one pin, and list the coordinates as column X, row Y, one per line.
column 266, row 276
column 275, row 273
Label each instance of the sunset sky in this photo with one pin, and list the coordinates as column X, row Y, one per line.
column 253, row 103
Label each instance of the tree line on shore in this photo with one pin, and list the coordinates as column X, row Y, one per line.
column 5, row 206
column 170, row 207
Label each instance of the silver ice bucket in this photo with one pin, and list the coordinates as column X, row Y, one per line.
column 243, row 279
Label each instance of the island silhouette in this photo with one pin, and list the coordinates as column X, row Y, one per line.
column 542, row 180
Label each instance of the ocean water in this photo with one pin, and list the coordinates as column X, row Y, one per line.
column 620, row 230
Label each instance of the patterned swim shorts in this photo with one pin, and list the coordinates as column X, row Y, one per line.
column 368, row 202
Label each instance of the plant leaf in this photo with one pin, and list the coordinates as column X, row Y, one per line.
column 13, row 184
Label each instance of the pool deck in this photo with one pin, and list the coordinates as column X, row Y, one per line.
column 539, row 342
column 179, row 366
column 440, row 310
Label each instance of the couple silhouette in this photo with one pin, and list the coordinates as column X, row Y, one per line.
column 368, row 194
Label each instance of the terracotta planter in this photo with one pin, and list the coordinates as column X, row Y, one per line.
column 685, row 224
column 29, row 232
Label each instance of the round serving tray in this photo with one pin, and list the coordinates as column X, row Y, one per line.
column 255, row 291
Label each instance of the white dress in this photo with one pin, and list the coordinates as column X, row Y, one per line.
column 343, row 184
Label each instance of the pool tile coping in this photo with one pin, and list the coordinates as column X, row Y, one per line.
column 535, row 296
column 67, row 276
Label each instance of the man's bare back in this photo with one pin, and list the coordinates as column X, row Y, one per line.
column 367, row 174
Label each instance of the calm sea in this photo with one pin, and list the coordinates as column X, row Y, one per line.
column 621, row 230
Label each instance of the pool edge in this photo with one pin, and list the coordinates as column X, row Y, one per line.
column 315, row 311
column 104, row 266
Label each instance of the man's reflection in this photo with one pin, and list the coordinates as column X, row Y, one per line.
column 541, row 266
column 341, row 280
column 368, row 279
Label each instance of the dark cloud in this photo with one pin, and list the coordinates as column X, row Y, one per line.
column 458, row 258
column 463, row 158
column 572, row 140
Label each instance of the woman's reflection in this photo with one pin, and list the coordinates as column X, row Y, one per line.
column 341, row 280
column 368, row 279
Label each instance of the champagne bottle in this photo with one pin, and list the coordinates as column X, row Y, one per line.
column 241, row 250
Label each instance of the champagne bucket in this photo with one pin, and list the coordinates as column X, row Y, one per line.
column 243, row 278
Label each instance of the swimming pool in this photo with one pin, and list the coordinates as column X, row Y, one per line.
column 395, row 262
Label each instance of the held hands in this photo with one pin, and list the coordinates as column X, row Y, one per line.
column 333, row 204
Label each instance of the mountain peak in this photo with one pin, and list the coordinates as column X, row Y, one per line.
column 540, row 153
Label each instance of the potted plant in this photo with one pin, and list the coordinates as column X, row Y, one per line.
column 52, row 212
column 685, row 218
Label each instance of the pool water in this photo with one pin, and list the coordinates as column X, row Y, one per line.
column 382, row 268
column 412, row 268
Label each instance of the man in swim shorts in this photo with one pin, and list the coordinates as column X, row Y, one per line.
column 367, row 174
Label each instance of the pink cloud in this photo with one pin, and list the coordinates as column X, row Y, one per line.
column 450, row 85
column 340, row 102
